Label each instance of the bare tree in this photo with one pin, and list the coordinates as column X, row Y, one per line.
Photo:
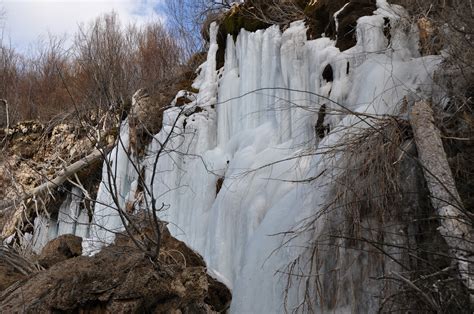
column 101, row 53
column 187, row 21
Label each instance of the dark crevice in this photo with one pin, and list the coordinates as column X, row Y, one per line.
column 328, row 74
column 320, row 128
column 219, row 183
column 386, row 30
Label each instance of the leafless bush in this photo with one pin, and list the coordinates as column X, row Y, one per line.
column 380, row 215
column 46, row 95
column 446, row 27
column 9, row 73
column 274, row 12
column 21, row 264
column 101, row 53
column 105, row 65
column 370, row 182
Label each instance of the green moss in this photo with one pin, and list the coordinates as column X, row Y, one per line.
column 310, row 7
column 236, row 19
column 193, row 90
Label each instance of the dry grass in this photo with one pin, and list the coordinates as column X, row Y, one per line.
column 370, row 182
column 22, row 265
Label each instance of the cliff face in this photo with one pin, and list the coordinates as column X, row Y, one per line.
column 291, row 167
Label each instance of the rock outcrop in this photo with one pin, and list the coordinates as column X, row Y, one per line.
column 60, row 249
column 119, row 279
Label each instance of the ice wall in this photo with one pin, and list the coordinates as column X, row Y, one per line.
column 233, row 172
column 72, row 218
column 119, row 181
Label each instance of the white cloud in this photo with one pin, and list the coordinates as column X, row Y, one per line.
column 26, row 20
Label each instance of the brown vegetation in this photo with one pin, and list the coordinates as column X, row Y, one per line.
column 106, row 63
column 380, row 215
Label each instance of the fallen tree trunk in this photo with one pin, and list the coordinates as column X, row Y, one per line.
column 67, row 173
column 62, row 176
column 46, row 187
column 454, row 224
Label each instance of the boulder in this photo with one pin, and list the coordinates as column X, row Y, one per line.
column 60, row 249
column 122, row 279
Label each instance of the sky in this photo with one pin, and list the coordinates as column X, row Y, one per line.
column 27, row 20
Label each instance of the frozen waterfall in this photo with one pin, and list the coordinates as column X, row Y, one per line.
column 256, row 135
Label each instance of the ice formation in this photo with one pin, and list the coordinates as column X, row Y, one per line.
column 256, row 135
column 71, row 219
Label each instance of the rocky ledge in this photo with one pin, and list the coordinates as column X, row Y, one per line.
column 119, row 279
